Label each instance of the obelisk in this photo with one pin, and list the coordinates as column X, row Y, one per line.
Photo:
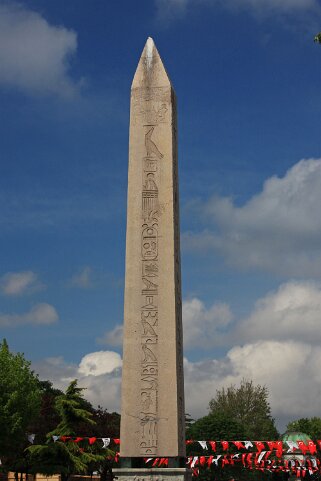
column 152, row 412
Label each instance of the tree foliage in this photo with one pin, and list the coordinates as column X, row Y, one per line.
column 220, row 426
column 66, row 458
column 19, row 403
column 309, row 426
column 248, row 404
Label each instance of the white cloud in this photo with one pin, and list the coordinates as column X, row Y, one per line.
column 82, row 279
column 40, row 314
column 289, row 369
column 277, row 230
column 98, row 372
column 168, row 7
column 34, row 55
column 114, row 337
column 292, row 312
column 204, row 327
column 18, row 283
column 101, row 362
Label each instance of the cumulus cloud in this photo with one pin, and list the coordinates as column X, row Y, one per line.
column 34, row 55
column 289, row 369
column 19, row 283
column 277, row 230
column 98, row 372
column 292, row 312
column 101, row 362
column 82, row 279
column 114, row 337
column 41, row 314
column 281, row 366
column 204, row 327
column 168, row 7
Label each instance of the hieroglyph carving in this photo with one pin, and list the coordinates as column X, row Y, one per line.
column 150, row 107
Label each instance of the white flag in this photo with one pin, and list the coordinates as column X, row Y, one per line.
column 203, row 444
column 106, row 442
column 215, row 460
column 31, row 438
column 248, row 444
column 292, row 445
column 261, row 456
column 55, row 438
column 195, row 459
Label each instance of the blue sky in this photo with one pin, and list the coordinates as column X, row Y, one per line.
column 248, row 80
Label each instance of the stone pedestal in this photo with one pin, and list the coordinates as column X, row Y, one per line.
column 153, row 474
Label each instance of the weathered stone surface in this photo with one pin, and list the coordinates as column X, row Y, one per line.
column 152, row 414
column 157, row 474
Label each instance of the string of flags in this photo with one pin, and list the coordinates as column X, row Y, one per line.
column 77, row 439
column 280, row 447
column 253, row 455
column 246, row 460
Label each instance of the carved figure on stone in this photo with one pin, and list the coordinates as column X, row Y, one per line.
column 150, row 269
column 149, row 243
column 150, row 183
column 148, row 354
column 148, row 329
column 151, row 317
column 150, row 303
column 150, row 287
column 151, row 147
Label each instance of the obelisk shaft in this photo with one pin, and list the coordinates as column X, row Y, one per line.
column 152, row 415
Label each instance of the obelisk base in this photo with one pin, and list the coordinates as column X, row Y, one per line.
column 153, row 474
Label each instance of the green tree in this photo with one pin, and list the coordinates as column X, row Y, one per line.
column 48, row 417
column 19, row 404
column 220, row 426
column 67, row 458
column 248, row 404
column 309, row 426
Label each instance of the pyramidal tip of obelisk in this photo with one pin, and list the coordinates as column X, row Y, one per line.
column 150, row 69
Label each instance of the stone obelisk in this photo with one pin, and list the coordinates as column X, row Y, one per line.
column 152, row 413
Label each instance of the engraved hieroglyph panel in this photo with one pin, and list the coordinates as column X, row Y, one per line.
column 150, row 105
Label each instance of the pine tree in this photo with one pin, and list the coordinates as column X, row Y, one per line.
column 66, row 458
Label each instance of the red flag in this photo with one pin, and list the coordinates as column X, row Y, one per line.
column 213, row 445
column 224, row 445
column 116, row 441
column 304, row 448
column 312, row 447
column 202, row 460
column 77, row 440
column 278, row 446
column 239, row 444
column 259, row 446
column 64, row 438
column 189, row 441
column 92, row 440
